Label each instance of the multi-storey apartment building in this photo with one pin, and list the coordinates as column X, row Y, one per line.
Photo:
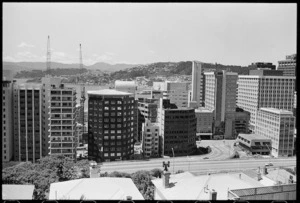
column 7, row 120
column 220, row 96
column 62, row 123
column 27, row 122
column 150, row 132
column 255, row 91
column 288, row 66
column 177, row 129
column 111, row 128
column 198, row 86
column 205, row 120
column 278, row 125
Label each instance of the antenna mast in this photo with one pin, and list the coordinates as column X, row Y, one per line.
column 82, row 99
column 48, row 70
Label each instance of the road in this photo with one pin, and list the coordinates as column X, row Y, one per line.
column 195, row 165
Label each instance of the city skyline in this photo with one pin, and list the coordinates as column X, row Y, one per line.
column 147, row 33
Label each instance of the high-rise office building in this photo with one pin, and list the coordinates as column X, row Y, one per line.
column 278, row 125
column 177, row 92
column 177, row 129
column 288, row 66
column 255, row 91
column 220, row 96
column 7, row 120
column 62, row 123
column 27, row 122
column 198, row 91
column 111, row 128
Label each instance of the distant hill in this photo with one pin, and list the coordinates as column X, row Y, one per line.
column 41, row 66
column 173, row 68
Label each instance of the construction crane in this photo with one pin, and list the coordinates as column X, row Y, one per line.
column 48, row 70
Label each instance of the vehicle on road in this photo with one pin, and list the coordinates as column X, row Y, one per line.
column 269, row 164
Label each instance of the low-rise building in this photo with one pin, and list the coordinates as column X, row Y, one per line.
column 256, row 144
column 17, row 192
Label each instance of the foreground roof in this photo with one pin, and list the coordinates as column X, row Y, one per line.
column 188, row 187
column 95, row 189
column 17, row 192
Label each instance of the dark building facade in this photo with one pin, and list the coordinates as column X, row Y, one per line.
column 177, row 129
column 111, row 125
column 263, row 65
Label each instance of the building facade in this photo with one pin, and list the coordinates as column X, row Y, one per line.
column 242, row 119
column 256, row 91
column 126, row 86
column 205, row 120
column 111, row 128
column 177, row 129
column 27, row 122
column 220, row 96
column 255, row 144
column 7, row 120
column 279, row 126
column 177, row 92
column 263, row 65
column 62, row 121
column 288, row 66
column 197, row 91
column 150, row 132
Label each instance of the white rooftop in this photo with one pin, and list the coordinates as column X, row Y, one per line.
column 125, row 83
column 95, row 189
column 277, row 111
column 107, row 92
column 253, row 136
column 203, row 110
column 185, row 186
column 17, row 192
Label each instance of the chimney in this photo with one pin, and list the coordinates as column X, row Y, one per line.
column 258, row 174
column 166, row 179
column 213, row 194
column 94, row 170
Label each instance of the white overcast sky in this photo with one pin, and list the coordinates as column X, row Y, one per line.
column 230, row 34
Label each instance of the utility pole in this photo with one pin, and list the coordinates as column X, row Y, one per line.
column 48, row 68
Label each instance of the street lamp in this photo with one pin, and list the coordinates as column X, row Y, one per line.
column 173, row 159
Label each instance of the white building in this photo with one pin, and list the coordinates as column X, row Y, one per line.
column 256, row 91
column 279, row 126
column 126, row 86
column 7, row 120
column 159, row 86
column 177, row 92
column 150, row 134
column 197, row 92
column 288, row 66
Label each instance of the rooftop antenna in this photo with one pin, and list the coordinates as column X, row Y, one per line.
column 48, row 70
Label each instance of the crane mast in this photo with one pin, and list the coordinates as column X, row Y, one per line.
column 82, row 99
column 48, row 68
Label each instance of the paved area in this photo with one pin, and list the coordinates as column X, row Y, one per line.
column 220, row 149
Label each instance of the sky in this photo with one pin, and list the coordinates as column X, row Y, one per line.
column 142, row 33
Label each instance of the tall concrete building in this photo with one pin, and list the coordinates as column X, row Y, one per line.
column 62, row 122
column 7, row 120
column 150, row 133
column 278, row 125
column 177, row 128
column 111, row 128
column 27, row 122
column 177, row 92
column 198, row 91
column 220, row 96
column 205, row 122
column 256, row 91
column 288, row 66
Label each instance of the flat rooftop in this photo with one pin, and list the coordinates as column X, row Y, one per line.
column 108, row 92
column 203, row 110
column 253, row 136
column 277, row 111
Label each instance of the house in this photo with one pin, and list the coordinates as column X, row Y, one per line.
column 17, row 192
column 103, row 188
